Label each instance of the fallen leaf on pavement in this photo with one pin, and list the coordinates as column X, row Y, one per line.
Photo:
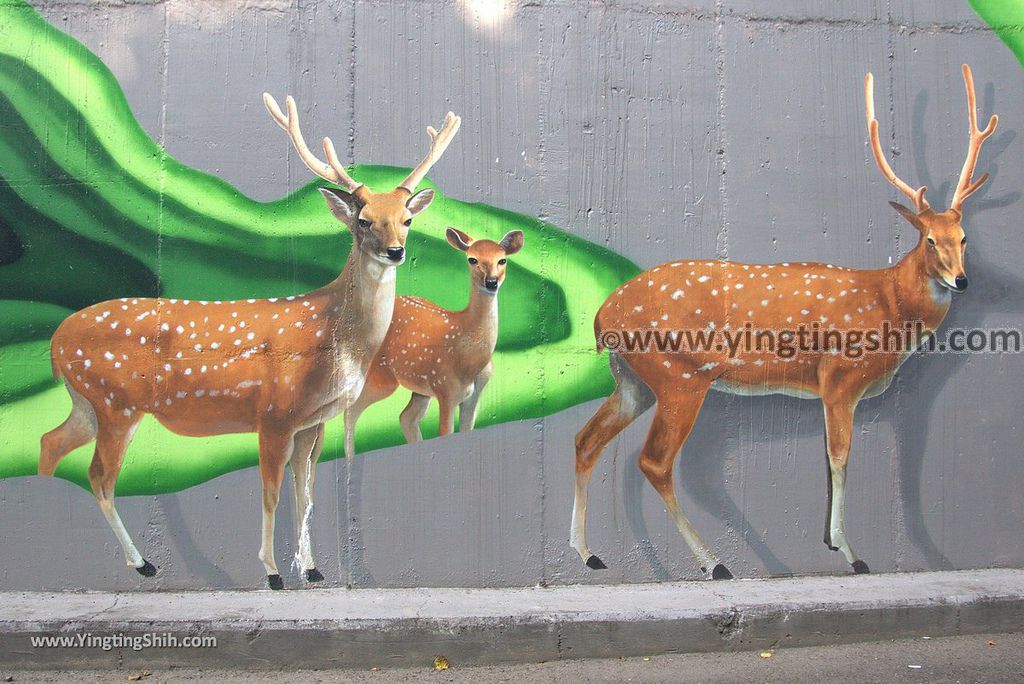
column 440, row 663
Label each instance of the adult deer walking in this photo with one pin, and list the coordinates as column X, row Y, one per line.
column 714, row 295
column 439, row 353
column 279, row 367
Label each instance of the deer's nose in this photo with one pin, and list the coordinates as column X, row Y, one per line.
column 396, row 253
column 491, row 284
column 961, row 282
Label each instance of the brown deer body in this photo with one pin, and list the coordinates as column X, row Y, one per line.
column 279, row 367
column 718, row 295
column 439, row 353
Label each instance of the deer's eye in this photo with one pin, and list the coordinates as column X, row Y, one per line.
column 964, row 241
column 502, row 261
column 931, row 242
column 363, row 223
column 408, row 222
column 472, row 260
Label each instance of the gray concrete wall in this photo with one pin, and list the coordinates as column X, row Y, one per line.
column 679, row 128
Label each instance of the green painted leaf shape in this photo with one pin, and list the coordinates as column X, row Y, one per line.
column 189, row 267
column 1006, row 17
column 87, row 197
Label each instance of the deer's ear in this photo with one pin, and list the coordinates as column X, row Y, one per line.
column 912, row 218
column 343, row 205
column 420, row 201
column 458, row 239
column 512, row 242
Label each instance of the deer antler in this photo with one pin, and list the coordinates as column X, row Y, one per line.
column 965, row 187
column 876, row 146
column 439, row 141
column 332, row 171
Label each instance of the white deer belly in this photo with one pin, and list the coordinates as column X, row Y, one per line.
column 760, row 389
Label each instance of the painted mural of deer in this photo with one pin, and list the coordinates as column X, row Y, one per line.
column 694, row 295
column 439, row 353
column 278, row 367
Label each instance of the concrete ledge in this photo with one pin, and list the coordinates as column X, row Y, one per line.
column 393, row 627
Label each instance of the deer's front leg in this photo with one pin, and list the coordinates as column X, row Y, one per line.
column 276, row 446
column 467, row 409
column 838, row 435
column 305, row 454
column 380, row 384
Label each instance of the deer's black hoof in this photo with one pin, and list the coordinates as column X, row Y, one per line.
column 720, row 572
column 147, row 569
column 860, row 567
column 595, row 563
column 314, row 575
column 275, row 582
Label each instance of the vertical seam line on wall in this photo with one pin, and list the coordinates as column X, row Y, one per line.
column 165, row 59
column 346, row 547
column 722, row 236
column 542, row 423
column 896, row 505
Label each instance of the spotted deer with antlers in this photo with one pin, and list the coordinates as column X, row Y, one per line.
column 439, row 353
column 716, row 295
column 279, row 367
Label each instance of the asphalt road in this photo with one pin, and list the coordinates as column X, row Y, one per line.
column 986, row 658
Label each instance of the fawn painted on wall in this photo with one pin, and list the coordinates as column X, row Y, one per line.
column 439, row 353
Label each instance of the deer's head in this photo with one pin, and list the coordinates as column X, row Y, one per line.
column 379, row 221
column 942, row 234
column 486, row 258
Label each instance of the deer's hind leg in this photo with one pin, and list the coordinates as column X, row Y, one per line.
column 629, row 400
column 678, row 406
column 77, row 430
column 446, row 405
column 112, row 438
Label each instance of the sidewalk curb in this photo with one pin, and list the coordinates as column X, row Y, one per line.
column 407, row 627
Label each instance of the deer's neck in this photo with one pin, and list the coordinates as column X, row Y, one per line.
column 363, row 299
column 480, row 319
column 918, row 295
